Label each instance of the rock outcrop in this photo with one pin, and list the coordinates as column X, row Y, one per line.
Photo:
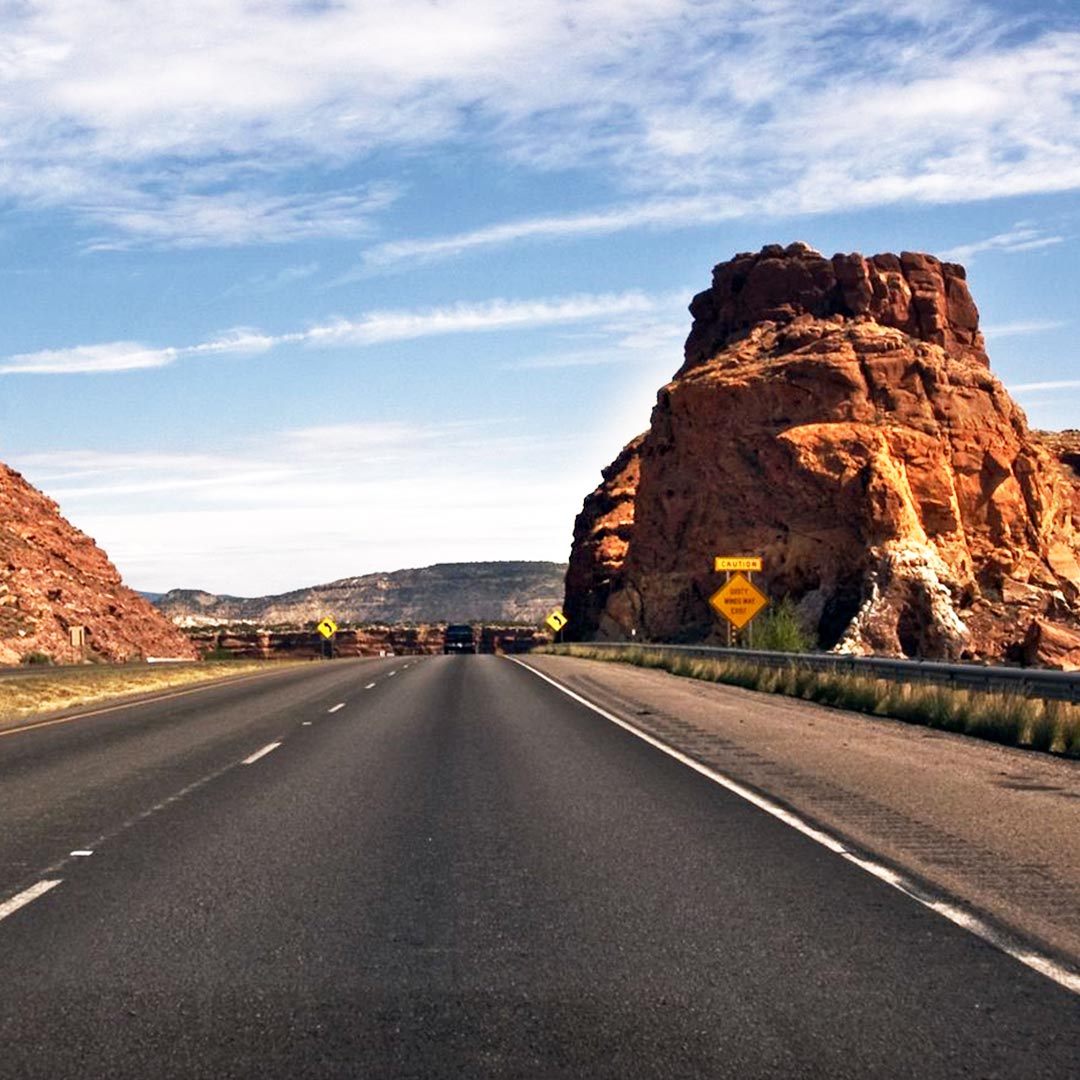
column 366, row 641
column 838, row 417
column 53, row 578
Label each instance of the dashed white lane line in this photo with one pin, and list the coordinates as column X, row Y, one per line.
column 306, row 723
column 260, row 753
column 393, row 673
column 335, row 708
column 81, row 853
column 1018, row 950
column 370, row 686
column 9, row 907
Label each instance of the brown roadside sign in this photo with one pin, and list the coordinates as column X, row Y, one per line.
column 738, row 601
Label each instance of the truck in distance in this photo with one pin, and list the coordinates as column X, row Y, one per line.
column 459, row 638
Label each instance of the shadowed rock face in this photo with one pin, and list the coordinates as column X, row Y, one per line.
column 838, row 417
column 53, row 577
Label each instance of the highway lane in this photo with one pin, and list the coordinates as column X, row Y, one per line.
column 64, row 784
column 462, row 872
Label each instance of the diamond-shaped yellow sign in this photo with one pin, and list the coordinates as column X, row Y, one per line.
column 556, row 620
column 328, row 628
column 739, row 600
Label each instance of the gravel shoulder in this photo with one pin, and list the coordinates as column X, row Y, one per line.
column 996, row 828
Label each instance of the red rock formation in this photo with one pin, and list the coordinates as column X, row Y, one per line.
column 601, row 538
column 306, row 644
column 838, row 417
column 53, row 577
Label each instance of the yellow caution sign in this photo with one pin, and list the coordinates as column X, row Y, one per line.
column 737, row 562
column 738, row 601
column 328, row 628
column 556, row 620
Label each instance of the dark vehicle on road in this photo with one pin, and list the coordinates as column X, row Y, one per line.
column 459, row 639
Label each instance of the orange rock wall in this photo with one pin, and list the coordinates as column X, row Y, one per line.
column 838, row 418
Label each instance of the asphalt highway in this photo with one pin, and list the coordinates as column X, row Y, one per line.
column 428, row 867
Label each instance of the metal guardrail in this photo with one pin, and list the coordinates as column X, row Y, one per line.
column 1030, row 682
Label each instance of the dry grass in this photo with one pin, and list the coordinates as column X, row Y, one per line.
column 32, row 695
column 1028, row 723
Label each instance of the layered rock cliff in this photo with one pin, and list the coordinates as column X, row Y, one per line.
column 53, row 577
column 838, row 417
column 502, row 592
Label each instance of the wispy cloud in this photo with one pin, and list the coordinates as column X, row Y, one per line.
column 668, row 213
column 376, row 328
column 185, row 126
column 309, row 504
column 1022, row 327
column 1022, row 238
column 1053, row 384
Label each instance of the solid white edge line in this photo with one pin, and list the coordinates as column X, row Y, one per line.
column 1044, row 965
column 9, row 907
column 339, row 705
column 260, row 753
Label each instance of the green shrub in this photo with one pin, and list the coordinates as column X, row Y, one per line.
column 780, row 630
column 36, row 657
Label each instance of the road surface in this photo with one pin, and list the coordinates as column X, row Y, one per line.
column 445, row 866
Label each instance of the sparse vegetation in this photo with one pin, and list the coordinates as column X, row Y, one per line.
column 1010, row 719
column 46, row 692
column 37, row 657
column 779, row 630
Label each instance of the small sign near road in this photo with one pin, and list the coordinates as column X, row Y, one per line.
column 328, row 628
column 738, row 601
column 556, row 620
column 737, row 562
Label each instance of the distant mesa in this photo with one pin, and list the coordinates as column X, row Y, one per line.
column 838, row 417
column 53, row 578
column 479, row 592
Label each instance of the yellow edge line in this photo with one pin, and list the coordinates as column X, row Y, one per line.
column 205, row 685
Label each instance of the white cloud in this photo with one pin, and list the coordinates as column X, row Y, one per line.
column 669, row 213
column 1021, row 327
column 376, row 328
column 1021, row 238
column 1053, row 384
column 183, row 124
column 296, row 507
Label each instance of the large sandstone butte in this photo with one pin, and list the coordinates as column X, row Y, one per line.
column 53, row 577
column 839, row 418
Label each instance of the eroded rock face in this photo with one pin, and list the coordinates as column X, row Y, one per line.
column 838, row 417
column 601, row 539
column 53, row 577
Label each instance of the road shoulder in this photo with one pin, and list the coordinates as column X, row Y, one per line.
column 992, row 827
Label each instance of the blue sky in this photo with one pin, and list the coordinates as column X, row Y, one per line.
column 297, row 290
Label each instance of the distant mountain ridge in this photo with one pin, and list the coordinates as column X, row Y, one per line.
column 490, row 592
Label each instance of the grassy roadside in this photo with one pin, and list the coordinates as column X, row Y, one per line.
column 1011, row 719
column 33, row 695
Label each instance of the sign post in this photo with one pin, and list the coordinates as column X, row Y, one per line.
column 328, row 628
column 78, row 643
